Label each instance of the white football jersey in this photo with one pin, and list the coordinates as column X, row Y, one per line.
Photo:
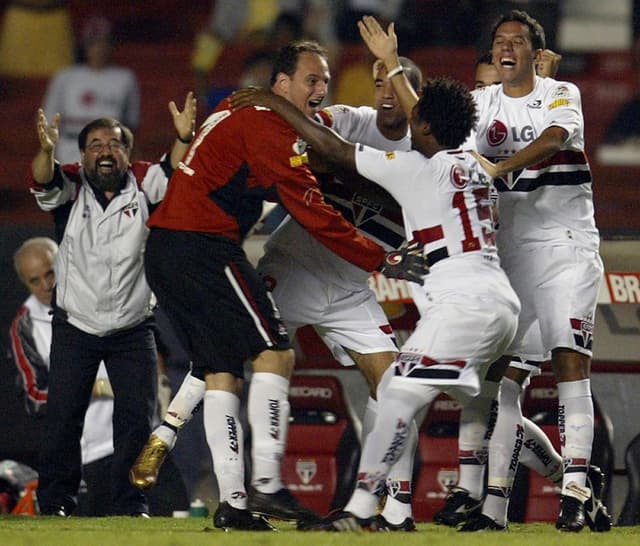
column 550, row 202
column 446, row 202
column 370, row 208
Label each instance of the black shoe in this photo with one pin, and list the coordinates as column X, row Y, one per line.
column 409, row 524
column 55, row 510
column 571, row 516
column 344, row 521
column 458, row 508
column 227, row 517
column 143, row 515
column 280, row 505
column 481, row 522
column 595, row 512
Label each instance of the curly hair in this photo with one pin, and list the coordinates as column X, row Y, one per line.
column 536, row 32
column 448, row 106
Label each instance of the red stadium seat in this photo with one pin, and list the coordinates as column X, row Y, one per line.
column 323, row 449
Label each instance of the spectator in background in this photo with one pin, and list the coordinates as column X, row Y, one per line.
column 30, row 341
column 36, row 38
column 264, row 25
column 90, row 89
column 30, row 344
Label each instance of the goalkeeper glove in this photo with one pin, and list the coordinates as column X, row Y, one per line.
column 408, row 263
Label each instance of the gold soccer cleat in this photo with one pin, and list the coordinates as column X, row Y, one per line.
column 144, row 472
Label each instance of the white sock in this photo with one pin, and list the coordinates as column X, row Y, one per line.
column 504, row 451
column 269, row 418
column 226, row 442
column 575, row 423
column 384, row 444
column 473, row 438
column 184, row 402
column 538, row 453
column 397, row 506
column 180, row 409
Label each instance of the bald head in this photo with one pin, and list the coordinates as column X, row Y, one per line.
column 33, row 263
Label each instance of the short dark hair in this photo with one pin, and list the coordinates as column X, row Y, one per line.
column 448, row 106
column 485, row 58
column 536, row 31
column 286, row 60
column 104, row 123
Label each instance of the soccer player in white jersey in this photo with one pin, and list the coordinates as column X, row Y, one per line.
column 479, row 420
column 531, row 130
column 467, row 306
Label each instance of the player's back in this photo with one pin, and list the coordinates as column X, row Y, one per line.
column 234, row 162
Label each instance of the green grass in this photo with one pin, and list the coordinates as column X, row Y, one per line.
column 120, row 531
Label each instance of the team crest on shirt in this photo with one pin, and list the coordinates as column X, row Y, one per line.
column 131, row 209
column 363, row 209
column 390, row 155
column 406, row 363
column 300, row 158
column 582, row 332
column 299, row 146
column 497, row 133
column 458, row 177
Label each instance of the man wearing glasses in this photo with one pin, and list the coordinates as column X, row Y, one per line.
column 101, row 304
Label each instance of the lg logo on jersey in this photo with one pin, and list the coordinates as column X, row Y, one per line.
column 498, row 133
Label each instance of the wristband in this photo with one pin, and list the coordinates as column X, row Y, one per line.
column 184, row 141
column 397, row 70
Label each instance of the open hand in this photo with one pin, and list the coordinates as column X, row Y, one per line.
column 48, row 134
column 409, row 263
column 185, row 121
column 381, row 44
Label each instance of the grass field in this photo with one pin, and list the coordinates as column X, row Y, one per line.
column 120, row 531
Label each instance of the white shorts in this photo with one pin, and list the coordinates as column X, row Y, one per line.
column 558, row 289
column 342, row 318
column 455, row 341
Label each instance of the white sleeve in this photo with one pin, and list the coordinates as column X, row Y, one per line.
column 57, row 192
column 391, row 170
column 154, row 184
column 563, row 107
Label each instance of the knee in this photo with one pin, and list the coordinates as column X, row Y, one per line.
column 569, row 365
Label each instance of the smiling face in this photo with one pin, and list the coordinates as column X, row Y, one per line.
column 514, row 57
column 105, row 159
column 390, row 118
column 307, row 87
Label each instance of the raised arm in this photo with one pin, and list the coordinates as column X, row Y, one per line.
column 384, row 45
column 185, row 125
column 323, row 140
column 42, row 165
column 547, row 63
